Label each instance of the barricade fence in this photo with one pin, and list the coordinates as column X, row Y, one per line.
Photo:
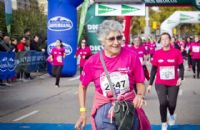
column 12, row 63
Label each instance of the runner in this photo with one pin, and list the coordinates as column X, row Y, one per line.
column 56, row 58
column 125, row 72
column 141, row 51
column 84, row 52
column 195, row 52
column 165, row 65
column 188, row 42
column 152, row 47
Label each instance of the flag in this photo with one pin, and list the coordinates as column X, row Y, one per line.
column 8, row 14
column 82, row 17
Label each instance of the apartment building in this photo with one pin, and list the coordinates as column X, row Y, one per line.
column 26, row 4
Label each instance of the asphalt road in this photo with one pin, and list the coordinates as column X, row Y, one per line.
column 38, row 101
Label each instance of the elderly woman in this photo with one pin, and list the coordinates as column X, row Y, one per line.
column 125, row 72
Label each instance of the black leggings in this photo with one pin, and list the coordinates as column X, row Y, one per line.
column 167, row 96
column 57, row 72
column 194, row 62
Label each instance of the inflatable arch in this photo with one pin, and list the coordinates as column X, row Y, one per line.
column 62, row 24
column 179, row 17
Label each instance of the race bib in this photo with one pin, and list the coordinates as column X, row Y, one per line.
column 119, row 80
column 167, row 72
column 59, row 59
column 196, row 49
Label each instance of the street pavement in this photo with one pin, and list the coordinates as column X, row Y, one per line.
column 38, row 101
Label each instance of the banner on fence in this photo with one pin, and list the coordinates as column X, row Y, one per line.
column 7, row 65
column 30, row 61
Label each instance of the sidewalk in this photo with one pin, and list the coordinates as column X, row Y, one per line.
column 34, row 76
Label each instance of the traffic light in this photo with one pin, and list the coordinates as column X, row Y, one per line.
column 119, row 1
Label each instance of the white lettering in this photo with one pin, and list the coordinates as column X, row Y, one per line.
column 166, row 1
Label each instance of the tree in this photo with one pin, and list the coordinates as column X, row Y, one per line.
column 31, row 18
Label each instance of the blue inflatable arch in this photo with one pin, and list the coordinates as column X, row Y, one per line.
column 62, row 24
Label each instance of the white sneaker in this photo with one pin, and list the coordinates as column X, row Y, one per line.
column 164, row 126
column 171, row 120
column 56, row 86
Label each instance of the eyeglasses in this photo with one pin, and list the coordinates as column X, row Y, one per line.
column 112, row 39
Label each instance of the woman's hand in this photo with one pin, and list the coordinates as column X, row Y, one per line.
column 138, row 101
column 178, row 83
column 80, row 124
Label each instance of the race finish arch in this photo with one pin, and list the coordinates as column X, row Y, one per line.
column 179, row 17
column 62, row 24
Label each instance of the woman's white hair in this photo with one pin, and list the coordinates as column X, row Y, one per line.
column 108, row 26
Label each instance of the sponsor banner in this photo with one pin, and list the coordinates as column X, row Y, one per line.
column 120, row 9
column 8, row 14
column 179, row 17
column 30, row 61
column 197, row 4
column 92, row 23
column 189, row 17
column 7, row 65
column 67, row 47
column 84, row 9
column 167, row 2
column 59, row 23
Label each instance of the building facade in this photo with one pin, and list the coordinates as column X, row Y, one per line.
column 27, row 4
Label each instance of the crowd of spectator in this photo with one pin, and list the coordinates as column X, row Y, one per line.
column 26, row 42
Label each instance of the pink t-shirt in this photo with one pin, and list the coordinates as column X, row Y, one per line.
column 125, row 71
column 167, row 63
column 195, row 50
column 57, row 55
column 127, row 45
column 146, row 46
column 84, row 54
column 152, row 47
column 140, row 52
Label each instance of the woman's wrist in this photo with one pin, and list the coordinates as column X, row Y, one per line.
column 82, row 109
column 140, row 95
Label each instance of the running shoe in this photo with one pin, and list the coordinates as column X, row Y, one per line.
column 56, row 86
column 164, row 126
column 171, row 120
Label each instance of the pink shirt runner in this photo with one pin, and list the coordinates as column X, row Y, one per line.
column 57, row 55
column 140, row 52
column 125, row 71
column 83, row 53
column 152, row 47
column 195, row 50
column 167, row 63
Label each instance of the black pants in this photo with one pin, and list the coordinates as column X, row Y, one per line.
column 57, row 72
column 194, row 63
column 189, row 60
column 167, row 96
column 81, row 69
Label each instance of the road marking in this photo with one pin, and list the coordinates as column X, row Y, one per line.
column 25, row 116
column 75, row 78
